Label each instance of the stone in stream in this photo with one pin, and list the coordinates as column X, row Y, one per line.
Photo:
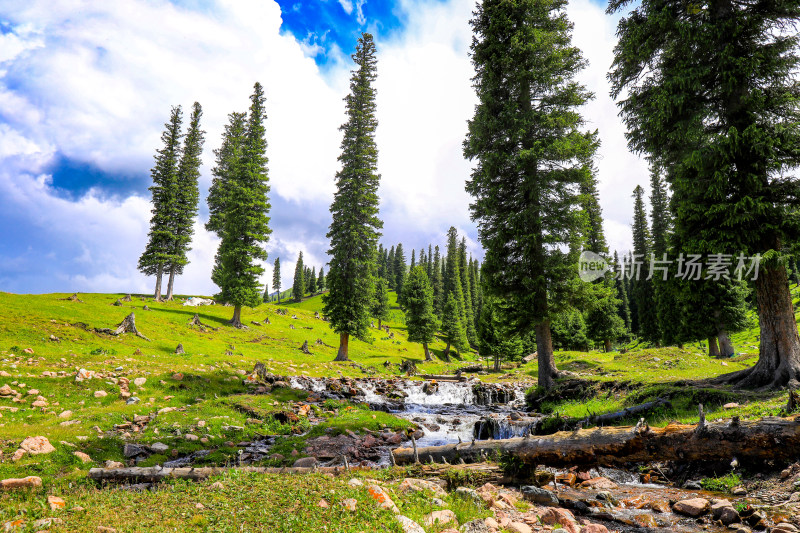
column 539, row 495
column 599, row 483
column 723, row 511
column 692, row 507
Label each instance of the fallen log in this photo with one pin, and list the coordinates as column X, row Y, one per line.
column 625, row 413
column 769, row 438
column 451, row 379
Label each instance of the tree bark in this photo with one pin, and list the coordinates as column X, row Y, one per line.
column 725, row 344
column 428, row 356
column 446, row 353
column 236, row 321
column 379, row 323
column 170, row 283
column 544, row 347
column 496, row 363
column 344, row 341
column 713, row 348
column 766, row 439
column 778, row 362
column 159, row 273
column 607, row 344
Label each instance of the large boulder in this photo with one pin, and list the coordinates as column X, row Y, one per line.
column 692, row 507
column 419, row 485
column 539, row 495
column 37, row 445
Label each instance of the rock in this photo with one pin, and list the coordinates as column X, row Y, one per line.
column 756, row 520
column 731, row 405
column 65, row 414
column 556, row 515
column 159, row 447
column 104, row 529
column 44, row 523
column 419, row 485
column 33, row 392
column 139, row 381
column 594, row 528
column 350, row 504
column 30, row 482
column 408, row 525
column 645, row 521
column 480, row 526
column 469, row 494
column 306, row 462
column 133, row 450
column 723, row 511
column 539, row 495
column 323, row 504
column 784, row 527
column 56, row 503
column 519, row 527
column 599, row 483
column 217, row 485
column 100, row 394
column 37, row 445
column 445, row 516
column 39, row 403
column 82, row 456
column 19, row 454
column 113, row 464
column 132, row 400
column 355, row 482
column 380, row 496
column 692, row 507
column 191, row 437
column 177, row 376
column 739, row 491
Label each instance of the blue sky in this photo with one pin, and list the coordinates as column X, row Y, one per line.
column 84, row 93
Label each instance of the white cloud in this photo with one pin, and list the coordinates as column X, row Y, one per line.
column 98, row 88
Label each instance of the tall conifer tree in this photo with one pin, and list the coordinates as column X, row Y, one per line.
column 711, row 94
column 399, row 271
column 420, row 319
column 276, row 277
column 299, row 284
column 532, row 157
column 157, row 253
column 239, row 208
column 643, row 287
column 186, row 196
column 355, row 228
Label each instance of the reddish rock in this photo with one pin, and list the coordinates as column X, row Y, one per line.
column 380, row 496
column 30, row 482
column 594, row 528
column 599, row 483
column 692, row 507
column 37, row 445
column 418, row 485
column 350, row 504
column 445, row 516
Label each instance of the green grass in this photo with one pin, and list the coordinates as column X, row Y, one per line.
column 721, row 484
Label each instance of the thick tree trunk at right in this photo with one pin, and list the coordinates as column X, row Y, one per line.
column 159, row 274
column 725, row 344
column 428, row 356
column 544, row 347
column 779, row 349
column 170, row 283
column 344, row 341
column 713, row 347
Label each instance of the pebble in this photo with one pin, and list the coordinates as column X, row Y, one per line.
column 100, row 394
column 139, row 381
column 65, row 414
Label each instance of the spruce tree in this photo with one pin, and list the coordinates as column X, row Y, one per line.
column 321, row 280
column 665, row 292
column 466, row 283
column 437, row 283
column 239, row 208
column 186, row 196
column 711, row 94
column 413, row 259
column 157, row 253
column 390, row 274
column 623, row 309
column 453, row 285
column 299, row 284
column 452, row 327
column 642, row 287
column 312, row 281
column 399, row 272
column 532, row 156
column 594, row 236
column 380, row 302
column 430, row 264
column 355, row 228
column 495, row 338
column 420, row 319
column 276, row 277
column 265, row 298
column 381, row 262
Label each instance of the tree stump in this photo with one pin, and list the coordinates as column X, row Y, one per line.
column 73, row 298
column 409, row 367
column 117, row 303
column 305, row 349
column 126, row 326
column 145, row 308
column 266, row 321
column 195, row 321
column 179, row 349
column 127, row 298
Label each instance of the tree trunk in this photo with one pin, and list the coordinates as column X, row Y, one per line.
column 428, row 356
column 725, row 344
column 496, row 363
column 170, row 283
column 236, row 321
column 446, row 353
column 544, row 347
column 159, row 273
column 607, row 344
column 344, row 341
column 713, row 348
column 773, row 439
column 779, row 348
column 379, row 325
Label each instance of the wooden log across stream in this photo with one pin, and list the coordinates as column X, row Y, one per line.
column 768, row 438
